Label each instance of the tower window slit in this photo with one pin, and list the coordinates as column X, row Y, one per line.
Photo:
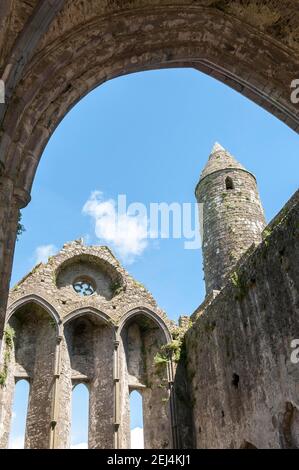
column 229, row 183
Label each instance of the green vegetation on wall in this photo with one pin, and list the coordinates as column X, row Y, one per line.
column 9, row 335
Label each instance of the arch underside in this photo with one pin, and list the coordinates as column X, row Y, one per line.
column 68, row 67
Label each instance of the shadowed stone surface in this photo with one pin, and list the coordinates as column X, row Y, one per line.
column 244, row 386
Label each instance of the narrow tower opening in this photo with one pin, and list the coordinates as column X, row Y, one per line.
column 229, row 184
column 19, row 415
column 136, row 420
column 80, row 417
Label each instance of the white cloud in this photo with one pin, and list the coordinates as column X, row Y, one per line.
column 16, row 443
column 43, row 252
column 126, row 233
column 81, row 445
column 137, row 441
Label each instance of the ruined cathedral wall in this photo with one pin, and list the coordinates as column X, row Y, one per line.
column 63, row 338
column 126, row 292
column 245, row 389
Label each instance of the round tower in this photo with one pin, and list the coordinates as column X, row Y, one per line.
column 233, row 216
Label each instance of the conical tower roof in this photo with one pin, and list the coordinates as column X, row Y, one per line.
column 220, row 159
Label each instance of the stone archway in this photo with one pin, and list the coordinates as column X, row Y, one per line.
column 30, row 354
column 87, row 350
column 55, row 53
column 141, row 333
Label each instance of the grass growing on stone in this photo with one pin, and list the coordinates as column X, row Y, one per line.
column 239, row 284
column 9, row 335
column 117, row 289
column 170, row 351
column 20, row 227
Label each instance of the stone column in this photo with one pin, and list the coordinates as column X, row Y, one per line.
column 39, row 416
column 55, row 438
column 62, row 430
column 157, row 400
column 123, row 401
column 12, row 199
column 6, row 400
column 101, row 399
column 157, row 418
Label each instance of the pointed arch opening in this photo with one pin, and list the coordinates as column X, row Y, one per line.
column 136, row 420
column 19, row 415
column 29, row 354
column 80, row 416
column 88, row 353
column 144, row 394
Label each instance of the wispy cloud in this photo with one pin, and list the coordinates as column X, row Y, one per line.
column 137, row 440
column 126, row 233
column 43, row 252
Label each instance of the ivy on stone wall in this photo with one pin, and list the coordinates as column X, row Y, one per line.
column 172, row 350
column 20, row 227
column 9, row 335
column 239, row 284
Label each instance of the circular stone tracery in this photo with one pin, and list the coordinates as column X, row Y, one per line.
column 84, row 287
column 87, row 275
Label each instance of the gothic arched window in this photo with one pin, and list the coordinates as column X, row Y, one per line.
column 136, row 420
column 19, row 415
column 80, row 414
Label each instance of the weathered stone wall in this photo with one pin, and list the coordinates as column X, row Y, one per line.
column 38, row 424
column 11, row 200
column 101, row 424
column 101, row 281
column 32, row 358
column 127, row 292
column 156, row 404
column 245, row 390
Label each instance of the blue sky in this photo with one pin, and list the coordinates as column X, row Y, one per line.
column 148, row 136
